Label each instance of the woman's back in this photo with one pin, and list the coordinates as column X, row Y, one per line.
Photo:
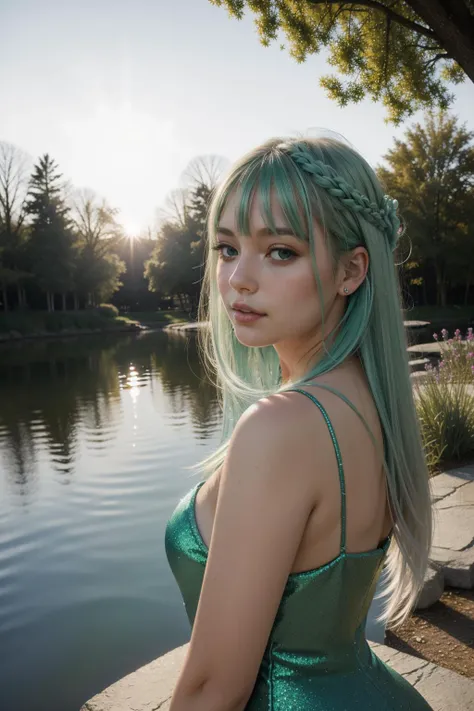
column 317, row 656
column 368, row 513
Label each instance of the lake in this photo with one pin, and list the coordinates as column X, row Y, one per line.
column 96, row 433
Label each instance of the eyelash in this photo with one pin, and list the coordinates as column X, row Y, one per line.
column 218, row 248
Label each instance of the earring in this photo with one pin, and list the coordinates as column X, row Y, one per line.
column 346, row 290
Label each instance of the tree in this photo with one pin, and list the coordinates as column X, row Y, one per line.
column 204, row 170
column 176, row 208
column 98, row 267
column 403, row 53
column 172, row 267
column 14, row 165
column 460, row 265
column 52, row 241
column 431, row 174
column 200, row 178
column 134, row 292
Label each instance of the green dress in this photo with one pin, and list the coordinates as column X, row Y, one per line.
column 317, row 657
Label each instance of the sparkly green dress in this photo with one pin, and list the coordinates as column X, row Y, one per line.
column 317, row 657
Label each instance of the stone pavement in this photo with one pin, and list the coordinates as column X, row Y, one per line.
column 452, row 553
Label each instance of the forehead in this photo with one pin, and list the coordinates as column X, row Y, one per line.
column 256, row 213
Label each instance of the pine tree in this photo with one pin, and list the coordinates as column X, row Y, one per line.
column 52, row 242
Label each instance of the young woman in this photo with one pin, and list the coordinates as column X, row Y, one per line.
column 320, row 479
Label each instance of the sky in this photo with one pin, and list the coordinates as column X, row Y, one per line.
column 123, row 94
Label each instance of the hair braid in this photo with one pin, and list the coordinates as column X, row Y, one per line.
column 382, row 216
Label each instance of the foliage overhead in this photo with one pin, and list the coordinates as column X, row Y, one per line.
column 402, row 53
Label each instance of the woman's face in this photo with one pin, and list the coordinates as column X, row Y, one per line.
column 272, row 273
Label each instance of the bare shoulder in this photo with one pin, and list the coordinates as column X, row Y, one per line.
column 281, row 437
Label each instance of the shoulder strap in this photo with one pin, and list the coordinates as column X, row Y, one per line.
column 339, row 463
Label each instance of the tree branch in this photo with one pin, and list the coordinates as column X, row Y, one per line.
column 436, row 58
column 395, row 16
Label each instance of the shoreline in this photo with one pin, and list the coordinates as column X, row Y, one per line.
column 16, row 337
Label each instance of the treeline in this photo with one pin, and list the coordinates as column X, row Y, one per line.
column 58, row 246
column 63, row 248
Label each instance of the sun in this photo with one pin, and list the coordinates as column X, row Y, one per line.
column 132, row 229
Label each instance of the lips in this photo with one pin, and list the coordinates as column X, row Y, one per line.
column 243, row 308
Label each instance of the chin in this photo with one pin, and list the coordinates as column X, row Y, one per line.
column 252, row 340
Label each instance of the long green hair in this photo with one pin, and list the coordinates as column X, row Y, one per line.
column 327, row 180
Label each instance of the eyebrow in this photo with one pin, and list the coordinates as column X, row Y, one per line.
column 263, row 232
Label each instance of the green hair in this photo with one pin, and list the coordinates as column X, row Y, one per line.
column 327, row 180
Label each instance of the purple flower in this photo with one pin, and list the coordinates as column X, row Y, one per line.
column 457, row 332
column 435, row 336
column 470, row 355
column 444, row 333
column 472, row 368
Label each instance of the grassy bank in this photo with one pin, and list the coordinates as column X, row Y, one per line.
column 159, row 318
column 22, row 324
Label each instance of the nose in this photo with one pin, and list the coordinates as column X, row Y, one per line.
column 243, row 277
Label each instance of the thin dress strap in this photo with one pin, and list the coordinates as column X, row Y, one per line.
column 339, row 463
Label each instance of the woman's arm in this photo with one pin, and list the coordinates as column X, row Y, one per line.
column 266, row 494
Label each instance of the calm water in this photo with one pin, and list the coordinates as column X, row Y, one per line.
column 95, row 435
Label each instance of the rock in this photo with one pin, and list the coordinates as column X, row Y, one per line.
column 459, row 573
column 433, row 587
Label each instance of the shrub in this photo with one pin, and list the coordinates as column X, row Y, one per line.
column 107, row 310
column 445, row 401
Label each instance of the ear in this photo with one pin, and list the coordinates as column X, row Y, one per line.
column 352, row 271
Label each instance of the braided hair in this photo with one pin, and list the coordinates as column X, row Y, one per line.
column 384, row 215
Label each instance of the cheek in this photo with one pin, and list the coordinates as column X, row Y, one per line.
column 301, row 291
column 301, row 284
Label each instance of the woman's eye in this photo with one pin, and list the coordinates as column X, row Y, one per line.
column 221, row 246
column 284, row 249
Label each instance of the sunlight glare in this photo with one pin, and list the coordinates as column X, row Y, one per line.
column 131, row 229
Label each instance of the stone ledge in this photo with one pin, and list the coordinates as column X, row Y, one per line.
column 150, row 688
column 432, row 589
column 443, row 689
column 452, row 553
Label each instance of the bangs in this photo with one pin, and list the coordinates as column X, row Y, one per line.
column 269, row 177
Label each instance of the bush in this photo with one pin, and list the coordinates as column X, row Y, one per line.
column 445, row 401
column 107, row 310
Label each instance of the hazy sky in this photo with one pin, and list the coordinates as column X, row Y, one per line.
column 124, row 93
